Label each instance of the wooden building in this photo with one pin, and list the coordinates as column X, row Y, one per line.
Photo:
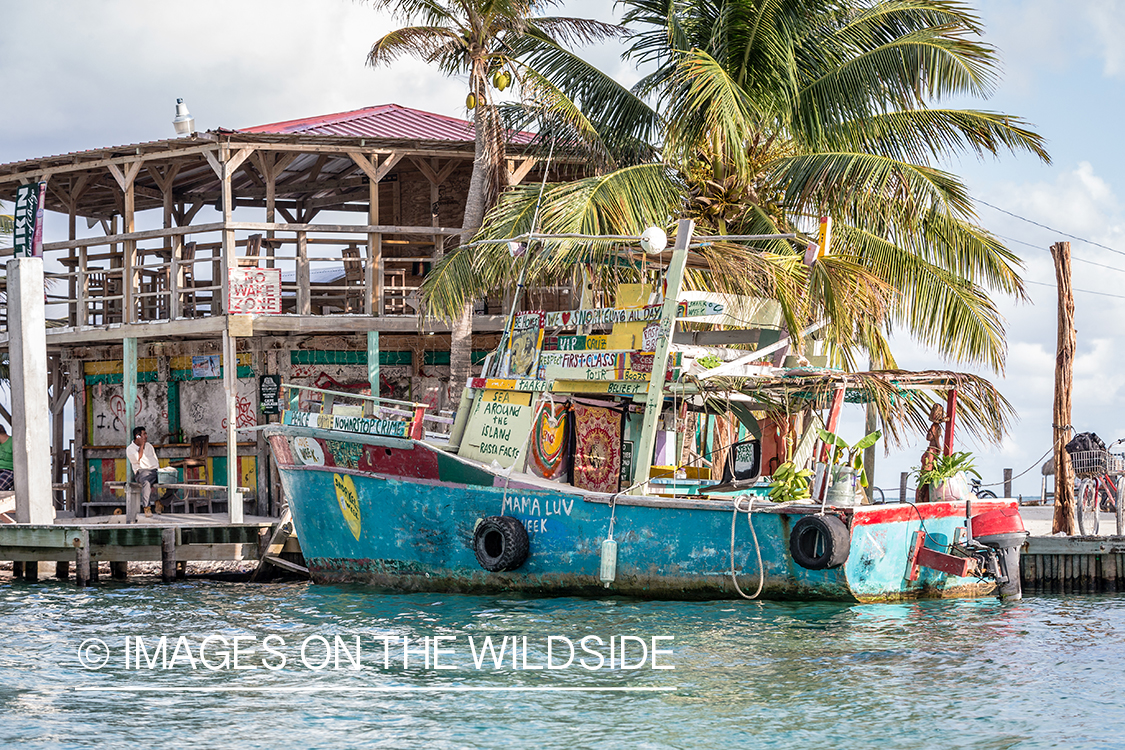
column 352, row 208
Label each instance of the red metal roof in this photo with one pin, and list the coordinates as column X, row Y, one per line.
column 383, row 121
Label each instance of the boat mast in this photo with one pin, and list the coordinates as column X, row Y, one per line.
column 674, row 277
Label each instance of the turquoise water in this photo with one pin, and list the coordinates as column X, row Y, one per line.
column 981, row 674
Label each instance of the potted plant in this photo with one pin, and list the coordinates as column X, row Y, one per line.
column 845, row 465
column 946, row 478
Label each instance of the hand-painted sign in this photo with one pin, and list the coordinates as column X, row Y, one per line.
column 574, row 343
column 499, row 426
column 613, row 387
column 522, row 357
column 607, row 315
column 507, row 384
column 269, row 391
column 254, row 291
column 599, row 365
column 362, row 425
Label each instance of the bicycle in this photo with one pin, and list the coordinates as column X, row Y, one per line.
column 1098, row 492
column 975, row 488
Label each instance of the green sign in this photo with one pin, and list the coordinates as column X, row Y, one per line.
column 27, row 203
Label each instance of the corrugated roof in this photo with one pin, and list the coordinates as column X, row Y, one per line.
column 382, row 121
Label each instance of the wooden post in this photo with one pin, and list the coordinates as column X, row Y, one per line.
column 951, row 419
column 62, row 570
column 871, row 424
column 82, row 558
column 373, row 270
column 902, row 486
column 1064, row 369
column 373, row 362
column 119, row 570
column 304, row 299
column 27, row 357
column 17, row 569
column 168, row 554
column 654, row 401
column 1007, row 482
column 261, row 446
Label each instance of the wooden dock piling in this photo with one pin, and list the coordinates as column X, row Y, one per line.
column 168, row 555
column 82, row 557
column 1073, row 565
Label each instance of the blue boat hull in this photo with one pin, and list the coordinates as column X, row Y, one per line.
column 401, row 515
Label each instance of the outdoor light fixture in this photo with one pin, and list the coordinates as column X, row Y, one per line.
column 184, row 123
column 654, row 240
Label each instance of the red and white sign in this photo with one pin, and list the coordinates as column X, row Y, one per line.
column 254, row 291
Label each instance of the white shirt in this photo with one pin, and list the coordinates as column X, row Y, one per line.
column 142, row 462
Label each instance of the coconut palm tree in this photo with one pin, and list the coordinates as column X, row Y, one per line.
column 491, row 42
column 777, row 112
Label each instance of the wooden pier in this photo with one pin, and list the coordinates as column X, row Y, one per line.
column 168, row 539
column 1073, row 565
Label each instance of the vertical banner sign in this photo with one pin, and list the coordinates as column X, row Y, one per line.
column 269, row 390
column 27, row 201
column 37, row 242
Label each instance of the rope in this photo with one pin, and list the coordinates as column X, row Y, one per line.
column 1029, row 468
column 757, row 548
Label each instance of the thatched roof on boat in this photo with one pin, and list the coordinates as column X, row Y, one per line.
column 902, row 398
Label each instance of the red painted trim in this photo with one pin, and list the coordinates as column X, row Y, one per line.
column 866, row 515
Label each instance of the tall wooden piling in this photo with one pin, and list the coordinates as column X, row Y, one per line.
column 1064, row 368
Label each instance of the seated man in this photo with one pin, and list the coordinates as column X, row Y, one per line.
column 142, row 457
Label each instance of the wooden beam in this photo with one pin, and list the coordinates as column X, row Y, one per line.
column 516, row 177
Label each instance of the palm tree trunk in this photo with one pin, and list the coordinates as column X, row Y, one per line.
column 476, row 203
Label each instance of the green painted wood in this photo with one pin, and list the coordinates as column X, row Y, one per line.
column 174, row 410
column 125, row 536
column 50, row 537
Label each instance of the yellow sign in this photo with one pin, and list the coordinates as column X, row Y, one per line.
column 349, row 501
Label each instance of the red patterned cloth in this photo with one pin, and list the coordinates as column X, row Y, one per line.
column 549, row 442
column 597, row 451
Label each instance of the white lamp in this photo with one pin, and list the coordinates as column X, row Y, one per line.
column 184, row 123
column 654, row 240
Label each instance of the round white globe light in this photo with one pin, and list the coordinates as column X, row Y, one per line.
column 654, row 240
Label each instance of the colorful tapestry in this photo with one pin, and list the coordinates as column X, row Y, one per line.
column 549, row 442
column 597, row 448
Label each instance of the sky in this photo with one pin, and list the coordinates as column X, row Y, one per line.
column 87, row 75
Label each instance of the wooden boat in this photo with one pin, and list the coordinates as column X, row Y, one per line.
column 499, row 509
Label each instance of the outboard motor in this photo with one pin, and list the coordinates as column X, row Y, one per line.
column 1002, row 532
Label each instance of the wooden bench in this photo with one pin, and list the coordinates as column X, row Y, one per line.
column 132, row 501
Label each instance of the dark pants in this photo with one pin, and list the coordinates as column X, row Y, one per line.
column 146, row 478
column 7, row 480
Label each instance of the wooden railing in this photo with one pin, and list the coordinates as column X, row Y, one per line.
column 167, row 274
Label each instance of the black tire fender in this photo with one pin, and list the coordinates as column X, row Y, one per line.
column 820, row 542
column 500, row 543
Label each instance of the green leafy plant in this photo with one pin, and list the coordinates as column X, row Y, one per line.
column 789, row 483
column 946, row 467
column 849, row 455
column 709, row 361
